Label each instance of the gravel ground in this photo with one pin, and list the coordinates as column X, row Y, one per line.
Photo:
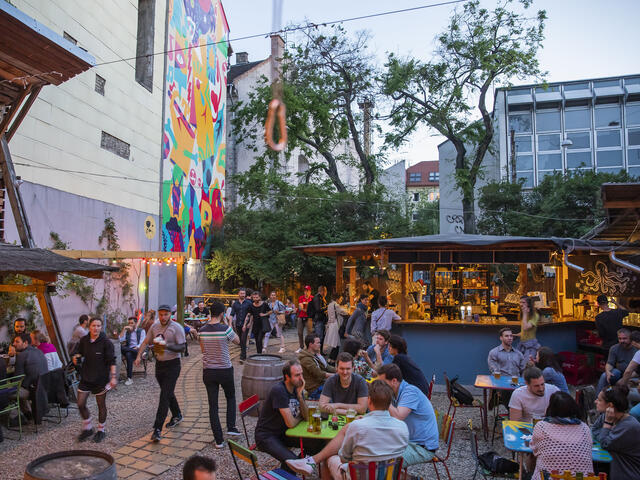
column 132, row 409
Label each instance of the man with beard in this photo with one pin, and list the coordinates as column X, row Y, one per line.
column 239, row 311
column 531, row 401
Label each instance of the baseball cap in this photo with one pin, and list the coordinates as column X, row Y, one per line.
column 307, row 287
column 164, row 307
column 602, row 300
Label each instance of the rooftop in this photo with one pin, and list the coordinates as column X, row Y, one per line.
column 423, row 174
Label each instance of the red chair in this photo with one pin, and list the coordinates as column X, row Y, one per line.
column 247, row 407
column 575, row 368
column 431, row 384
column 454, row 405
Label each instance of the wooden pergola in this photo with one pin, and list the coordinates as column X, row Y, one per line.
column 114, row 255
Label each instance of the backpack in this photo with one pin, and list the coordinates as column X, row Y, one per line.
column 496, row 464
column 460, row 393
column 311, row 308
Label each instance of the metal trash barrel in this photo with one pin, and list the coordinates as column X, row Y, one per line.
column 260, row 373
column 73, row 464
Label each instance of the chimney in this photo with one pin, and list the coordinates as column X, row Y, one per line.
column 277, row 52
column 242, row 57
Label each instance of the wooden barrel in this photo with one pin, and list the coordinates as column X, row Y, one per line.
column 73, row 464
column 260, row 373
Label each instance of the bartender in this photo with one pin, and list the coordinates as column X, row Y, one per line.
column 609, row 321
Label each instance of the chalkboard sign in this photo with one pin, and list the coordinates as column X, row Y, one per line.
column 600, row 276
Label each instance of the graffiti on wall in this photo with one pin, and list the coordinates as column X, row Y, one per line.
column 193, row 149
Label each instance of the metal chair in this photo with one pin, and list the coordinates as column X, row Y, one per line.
column 473, row 442
column 247, row 407
column 382, row 470
column 446, row 435
column 9, row 387
column 431, row 384
column 556, row 475
column 238, row 452
column 454, row 405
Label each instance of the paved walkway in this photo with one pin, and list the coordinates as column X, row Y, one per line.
column 143, row 459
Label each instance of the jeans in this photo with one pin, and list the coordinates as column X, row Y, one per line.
column 278, row 447
column 302, row 323
column 167, row 374
column 259, row 338
column 129, row 355
column 213, row 379
column 243, row 335
column 318, row 328
column 635, row 412
column 615, row 376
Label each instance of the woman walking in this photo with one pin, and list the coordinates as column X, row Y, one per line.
column 277, row 320
column 97, row 362
column 529, row 318
column 217, row 370
column 259, row 323
column 335, row 315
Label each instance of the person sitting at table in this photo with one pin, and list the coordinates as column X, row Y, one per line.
column 19, row 327
column 411, row 373
column 561, row 441
column 547, row 361
column 531, row 400
column 31, row 363
column 378, row 353
column 200, row 310
column 414, row 408
column 618, row 433
column 130, row 340
column 41, row 342
column 609, row 321
column 504, row 358
column 315, row 368
column 360, row 365
column 345, row 390
column 620, row 355
column 283, row 408
column 630, row 375
column 375, row 437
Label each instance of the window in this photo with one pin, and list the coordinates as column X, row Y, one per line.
column 577, row 118
column 549, row 155
column 633, row 114
column 606, row 83
column 608, row 116
column 633, row 151
column 414, row 216
column 548, row 89
column 434, row 176
column 608, row 138
column 100, row 82
column 579, row 152
column 115, row 145
column 144, row 44
column 514, row 92
column 524, row 158
column 520, row 122
column 416, row 196
column 527, row 177
column 415, row 177
column 632, row 81
column 576, row 86
column 548, row 120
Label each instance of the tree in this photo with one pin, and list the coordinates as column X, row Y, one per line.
column 561, row 205
column 479, row 47
column 325, row 75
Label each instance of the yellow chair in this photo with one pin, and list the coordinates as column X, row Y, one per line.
column 238, row 452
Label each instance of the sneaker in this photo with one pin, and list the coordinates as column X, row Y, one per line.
column 99, row 436
column 233, row 431
column 85, row 434
column 282, row 350
column 128, row 382
column 156, row 435
column 219, row 445
column 304, row 466
column 298, row 350
column 174, row 421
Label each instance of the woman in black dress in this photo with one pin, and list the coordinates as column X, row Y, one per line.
column 259, row 324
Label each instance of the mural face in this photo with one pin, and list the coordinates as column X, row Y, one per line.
column 194, row 148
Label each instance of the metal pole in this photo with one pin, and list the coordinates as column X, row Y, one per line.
column 147, row 269
column 180, row 290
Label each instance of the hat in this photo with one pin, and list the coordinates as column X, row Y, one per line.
column 307, row 287
column 602, row 300
column 164, row 307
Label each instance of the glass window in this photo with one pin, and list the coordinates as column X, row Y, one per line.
column 415, row 177
column 548, row 121
column 633, row 156
column 634, row 172
column 632, row 81
column 548, row 142
column 613, row 170
column 578, row 159
column 518, row 91
column 416, row 196
column 541, row 175
column 550, row 161
column 524, row 162
column 548, row 89
column 608, row 116
column 606, row 83
column 579, row 139
column 528, row 178
column 577, row 86
column 634, row 137
column 523, row 144
column 609, row 158
column 520, row 122
column 608, row 138
column 633, row 114
column 579, row 118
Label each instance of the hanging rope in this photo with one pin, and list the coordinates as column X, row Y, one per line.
column 277, row 109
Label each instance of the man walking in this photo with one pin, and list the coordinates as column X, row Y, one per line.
column 303, row 317
column 320, row 314
column 168, row 342
column 609, row 321
column 239, row 310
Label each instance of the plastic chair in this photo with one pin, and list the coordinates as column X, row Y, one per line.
column 238, row 452
column 9, row 387
column 454, row 405
column 431, row 384
column 383, row 470
column 247, row 407
column 556, row 475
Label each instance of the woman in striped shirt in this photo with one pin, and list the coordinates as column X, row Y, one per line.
column 217, row 370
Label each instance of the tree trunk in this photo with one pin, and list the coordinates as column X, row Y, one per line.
column 468, row 212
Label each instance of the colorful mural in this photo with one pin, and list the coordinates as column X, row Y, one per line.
column 193, row 149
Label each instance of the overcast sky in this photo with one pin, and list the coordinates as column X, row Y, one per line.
column 584, row 38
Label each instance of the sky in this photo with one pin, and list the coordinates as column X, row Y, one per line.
column 584, row 38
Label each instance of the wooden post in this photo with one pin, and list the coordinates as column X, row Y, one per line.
column 352, row 284
column 17, row 206
column 522, row 275
column 403, row 292
column 50, row 320
column 180, row 290
column 147, row 270
column 339, row 277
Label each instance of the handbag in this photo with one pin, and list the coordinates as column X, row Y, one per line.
column 496, row 464
column 281, row 317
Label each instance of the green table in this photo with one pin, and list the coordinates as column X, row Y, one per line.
column 326, row 433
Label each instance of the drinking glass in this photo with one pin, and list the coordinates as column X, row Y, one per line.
column 351, row 415
column 496, row 374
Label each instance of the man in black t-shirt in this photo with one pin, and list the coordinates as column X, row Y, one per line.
column 201, row 310
column 609, row 321
column 283, row 408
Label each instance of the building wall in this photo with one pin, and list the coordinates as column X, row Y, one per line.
column 63, row 130
column 394, row 180
column 194, row 140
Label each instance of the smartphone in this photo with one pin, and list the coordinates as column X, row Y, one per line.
column 526, row 431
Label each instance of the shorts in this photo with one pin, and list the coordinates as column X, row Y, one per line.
column 415, row 454
column 95, row 388
column 337, row 468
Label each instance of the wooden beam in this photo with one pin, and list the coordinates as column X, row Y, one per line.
column 13, row 110
column 24, row 109
column 404, row 273
column 11, row 288
column 119, row 254
column 339, row 275
column 50, row 321
column 622, row 203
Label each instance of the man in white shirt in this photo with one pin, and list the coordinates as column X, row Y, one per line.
column 532, row 400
